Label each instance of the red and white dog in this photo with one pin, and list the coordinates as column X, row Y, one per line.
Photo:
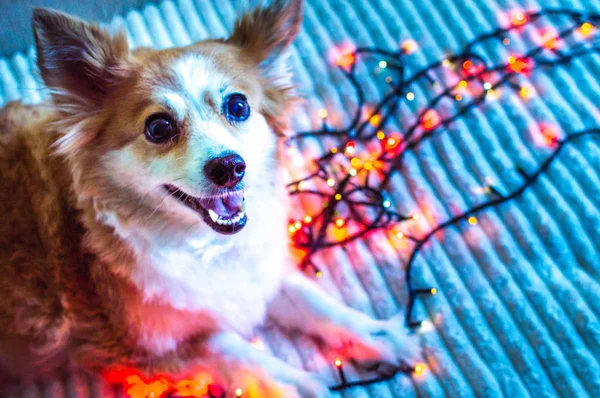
column 144, row 214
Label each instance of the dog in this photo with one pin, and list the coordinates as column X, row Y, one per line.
column 145, row 213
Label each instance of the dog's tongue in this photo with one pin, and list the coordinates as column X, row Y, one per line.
column 225, row 207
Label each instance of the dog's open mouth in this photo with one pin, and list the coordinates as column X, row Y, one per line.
column 225, row 214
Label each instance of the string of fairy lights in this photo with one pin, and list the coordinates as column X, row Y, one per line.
column 353, row 187
column 352, row 182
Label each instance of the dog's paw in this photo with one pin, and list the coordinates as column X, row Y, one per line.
column 385, row 345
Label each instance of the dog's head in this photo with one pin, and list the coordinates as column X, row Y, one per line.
column 183, row 134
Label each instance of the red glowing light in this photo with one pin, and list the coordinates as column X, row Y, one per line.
column 519, row 18
column 520, row 65
column 350, row 147
column 391, row 142
column 430, row 119
column 550, row 134
column 471, row 69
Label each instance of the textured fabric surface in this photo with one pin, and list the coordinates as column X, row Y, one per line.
column 517, row 313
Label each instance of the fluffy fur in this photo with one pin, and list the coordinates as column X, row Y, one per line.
column 101, row 266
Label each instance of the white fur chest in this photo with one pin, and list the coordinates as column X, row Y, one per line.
column 189, row 283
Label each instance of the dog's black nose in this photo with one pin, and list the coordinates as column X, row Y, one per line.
column 226, row 171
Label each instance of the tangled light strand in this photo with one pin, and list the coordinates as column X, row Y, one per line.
column 359, row 191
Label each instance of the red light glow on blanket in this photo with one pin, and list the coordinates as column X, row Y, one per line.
column 549, row 135
column 136, row 385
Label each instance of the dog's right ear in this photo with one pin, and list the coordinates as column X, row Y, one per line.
column 79, row 62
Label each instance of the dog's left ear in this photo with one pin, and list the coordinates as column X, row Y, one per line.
column 265, row 36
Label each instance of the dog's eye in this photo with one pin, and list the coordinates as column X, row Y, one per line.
column 236, row 108
column 160, row 128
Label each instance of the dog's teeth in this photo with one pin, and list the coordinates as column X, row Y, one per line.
column 213, row 216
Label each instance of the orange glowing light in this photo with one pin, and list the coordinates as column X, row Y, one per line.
column 400, row 235
column 334, row 150
column 140, row 389
column 467, row 65
column 346, row 60
column 330, row 182
column 323, row 113
column 319, row 274
column 380, row 135
column 355, row 162
column 587, row 29
column 416, row 217
column 526, row 91
column 308, row 219
column 472, row 220
column 298, row 224
column 458, row 97
column 338, row 196
column 409, row 46
column 368, row 166
column 430, row 119
column 292, row 229
column 521, row 65
column 519, row 18
column 340, row 222
column 238, row 392
column 374, row 120
column 338, row 363
column 462, row 84
column 433, row 290
column 550, row 39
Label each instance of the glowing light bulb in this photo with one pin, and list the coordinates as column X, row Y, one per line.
column 238, row 392
column 382, row 64
column 487, row 86
column 549, row 39
column 338, row 363
column 334, row 150
column 388, row 79
column 550, row 134
column 400, row 235
column 380, row 135
column 346, row 60
column 506, row 41
column 331, row 182
column 433, row 290
column 458, row 97
column 374, row 120
column 410, row 96
column 323, row 113
column 472, row 220
column 526, row 91
column 308, row 219
column 297, row 225
column 426, row 326
column 340, row 222
column 355, row 162
column 338, row 196
column 586, row 29
column 416, row 217
column 292, row 229
column 519, row 18
column 350, row 147
column 368, row 166
column 352, row 172
column 462, row 84
column 319, row 274
column 409, row 46
column 386, row 204
column 419, row 369
column 520, row 65
column 446, row 63
column 392, row 142
column 430, row 119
